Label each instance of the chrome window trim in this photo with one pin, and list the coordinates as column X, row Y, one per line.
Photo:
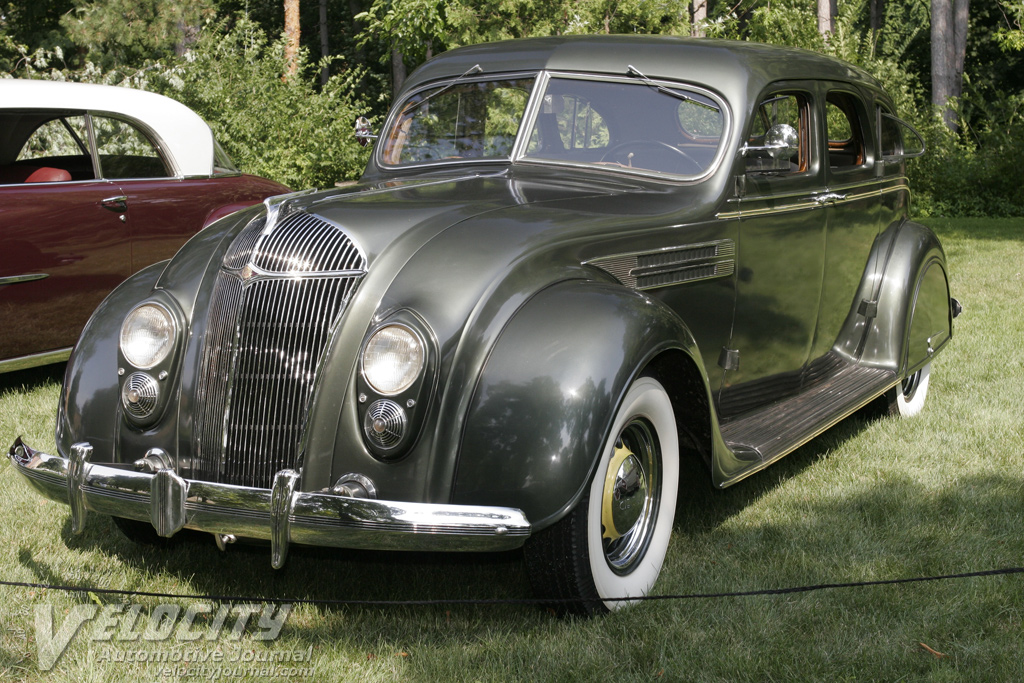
column 541, row 80
column 169, row 162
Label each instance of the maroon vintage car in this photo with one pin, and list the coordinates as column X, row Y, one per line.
column 96, row 183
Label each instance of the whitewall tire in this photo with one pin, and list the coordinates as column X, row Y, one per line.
column 613, row 544
column 907, row 398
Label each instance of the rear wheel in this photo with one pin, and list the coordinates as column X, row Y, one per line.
column 613, row 544
column 907, row 398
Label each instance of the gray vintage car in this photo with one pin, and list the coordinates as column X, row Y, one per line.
column 570, row 263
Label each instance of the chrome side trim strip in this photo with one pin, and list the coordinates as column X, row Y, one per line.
column 808, row 203
column 29, row 277
column 282, row 514
column 34, row 360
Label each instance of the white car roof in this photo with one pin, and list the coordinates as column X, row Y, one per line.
column 181, row 133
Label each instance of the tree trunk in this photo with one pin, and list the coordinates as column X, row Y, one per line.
column 397, row 72
column 949, row 48
column 324, row 47
column 698, row 15
column 291, row 32
column 827, row 11
column 877, row 18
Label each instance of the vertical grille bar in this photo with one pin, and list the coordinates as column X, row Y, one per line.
column 265, row 338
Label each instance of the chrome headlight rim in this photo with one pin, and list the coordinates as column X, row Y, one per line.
column 410, row 379
column 167, row 346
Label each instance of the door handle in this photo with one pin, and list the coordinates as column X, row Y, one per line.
column 117, row 204
column 829, row 198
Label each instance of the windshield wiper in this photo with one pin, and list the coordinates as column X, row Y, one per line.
column 633, row 71
column 475, row 69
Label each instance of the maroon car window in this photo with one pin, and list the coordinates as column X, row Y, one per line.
column 125, row 152
column 61, row 137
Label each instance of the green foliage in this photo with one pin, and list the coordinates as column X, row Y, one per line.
column 973, row 175
column 286, row 129
column 1011, row 37
column 127, row 32
column 419, row 27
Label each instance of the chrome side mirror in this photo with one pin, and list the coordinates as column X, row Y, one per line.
column 364, row 133
column 780, row 142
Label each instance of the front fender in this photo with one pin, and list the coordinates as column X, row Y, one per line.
column 89, row 400
column 914, row 319
column 548, row 392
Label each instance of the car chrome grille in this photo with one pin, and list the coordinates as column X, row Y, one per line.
column 275, row 301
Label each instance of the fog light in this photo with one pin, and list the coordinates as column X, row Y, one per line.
column 385, row 424
column 139, row 395
column 354, row 485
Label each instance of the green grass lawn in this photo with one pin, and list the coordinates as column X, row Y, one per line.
column 874, row 498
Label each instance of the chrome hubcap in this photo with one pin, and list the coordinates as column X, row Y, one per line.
column 630, row 495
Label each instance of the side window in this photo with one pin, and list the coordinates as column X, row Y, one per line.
column 780, row 110
column 845, row 131
column 891, row 138
column 61, row 137
column 125, row 152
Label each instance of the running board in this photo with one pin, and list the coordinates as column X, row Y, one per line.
column 767, row 434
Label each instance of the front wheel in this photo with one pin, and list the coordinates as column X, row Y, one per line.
column 612, row 545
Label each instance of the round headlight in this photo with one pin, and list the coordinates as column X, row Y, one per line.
column 147, row 335
column 392, row 359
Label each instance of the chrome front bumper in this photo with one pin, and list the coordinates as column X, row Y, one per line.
column 281, row 515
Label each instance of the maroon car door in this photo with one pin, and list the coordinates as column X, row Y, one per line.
column 63, row 247
column 163, row 211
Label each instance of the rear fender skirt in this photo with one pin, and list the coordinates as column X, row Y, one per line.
column 914, row 318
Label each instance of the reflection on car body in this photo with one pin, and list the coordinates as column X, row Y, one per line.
column 570, row 263
column 96, row 183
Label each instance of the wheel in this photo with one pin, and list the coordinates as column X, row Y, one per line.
column 907, row 398
column 652, row 157
column 613, row 543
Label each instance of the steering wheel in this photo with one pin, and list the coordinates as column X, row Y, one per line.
column 654, row 155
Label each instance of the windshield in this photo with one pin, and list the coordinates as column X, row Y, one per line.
column 637, row 126
column 468, row 120
column 628, row 125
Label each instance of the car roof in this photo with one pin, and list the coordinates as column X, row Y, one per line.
column 731, row 66
column 181, row 133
